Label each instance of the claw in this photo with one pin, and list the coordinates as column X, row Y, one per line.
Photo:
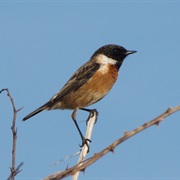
column 91, row 114
column 85, row 142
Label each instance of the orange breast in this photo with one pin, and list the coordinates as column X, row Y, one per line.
column 93, row 90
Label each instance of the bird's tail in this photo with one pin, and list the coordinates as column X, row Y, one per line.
column 44, row 107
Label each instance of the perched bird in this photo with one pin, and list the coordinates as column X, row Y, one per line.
column 89, row 84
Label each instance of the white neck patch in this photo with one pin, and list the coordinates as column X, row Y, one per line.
column 102, row 59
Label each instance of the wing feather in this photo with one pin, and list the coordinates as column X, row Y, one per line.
column 80, row 77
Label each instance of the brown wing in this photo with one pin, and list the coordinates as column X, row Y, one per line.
column 80, row 77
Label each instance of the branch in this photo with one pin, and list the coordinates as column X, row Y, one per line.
column 91, row 121
column 14, row 171
column 82, row 165
column 90, row 124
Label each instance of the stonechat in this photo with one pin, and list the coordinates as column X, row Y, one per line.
column 89, row 84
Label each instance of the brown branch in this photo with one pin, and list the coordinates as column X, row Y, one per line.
column 14, row 171
column 91, row 121
column 110, row 148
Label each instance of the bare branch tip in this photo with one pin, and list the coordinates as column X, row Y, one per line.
column 159, row 120
column 83, row 170
column 157, row 123
column 126, row 133
column 20, row 109
column 111, row 150
column 5, row 89
column 168, row 110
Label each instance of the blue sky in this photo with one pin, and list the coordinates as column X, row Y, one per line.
column 42, row 43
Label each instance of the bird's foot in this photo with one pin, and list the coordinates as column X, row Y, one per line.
column 92, row 113
column 85, row 142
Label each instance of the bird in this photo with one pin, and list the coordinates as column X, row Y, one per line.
column 89, row 84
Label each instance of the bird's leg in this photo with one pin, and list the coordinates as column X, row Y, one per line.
column 84, row 140
column 91, row 113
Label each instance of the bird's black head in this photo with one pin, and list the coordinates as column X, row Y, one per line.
column 115, row 52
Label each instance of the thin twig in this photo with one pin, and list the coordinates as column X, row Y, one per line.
column 14, row 171
column 111, row 147
column 17, row 170
column 90, row 125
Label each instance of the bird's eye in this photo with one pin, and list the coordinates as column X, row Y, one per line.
column 115, row 51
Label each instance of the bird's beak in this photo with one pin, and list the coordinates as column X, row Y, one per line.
column 130, row 52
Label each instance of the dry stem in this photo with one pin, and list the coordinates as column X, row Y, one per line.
column 82, row 165
column 14, row 171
